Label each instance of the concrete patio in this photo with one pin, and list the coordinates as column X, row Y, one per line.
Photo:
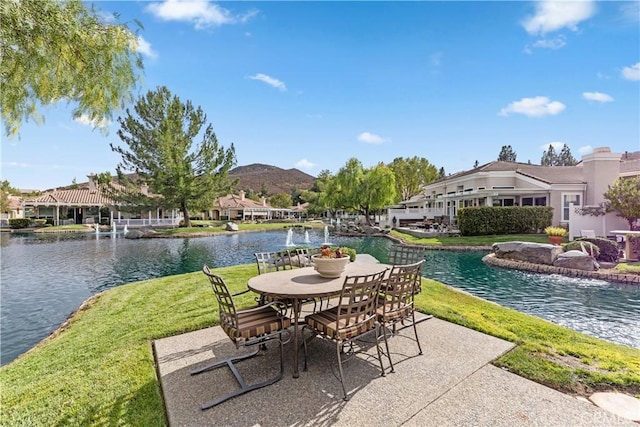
column 452, row 384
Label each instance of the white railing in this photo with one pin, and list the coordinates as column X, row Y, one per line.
column 147, row 222
column 415, row 213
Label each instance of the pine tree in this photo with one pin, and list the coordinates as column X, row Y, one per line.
column 565, row 158
column 549, row 157
column 160, row 135
column 507, row 154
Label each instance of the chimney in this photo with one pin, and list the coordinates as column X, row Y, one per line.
column 92, row 183
column 241, row 196
column 144, row 189
column 264, row 201
column 599, row 169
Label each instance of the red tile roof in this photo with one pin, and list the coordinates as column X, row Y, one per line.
column 234, row 201
column 79, row 197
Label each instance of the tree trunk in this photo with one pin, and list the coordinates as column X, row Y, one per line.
column 367, row 215
column 185, row 214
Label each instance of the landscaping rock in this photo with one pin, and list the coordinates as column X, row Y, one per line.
column 231, row 226
column 577, row 260
column 537, row 253
column 134, row 234
column 371, row 229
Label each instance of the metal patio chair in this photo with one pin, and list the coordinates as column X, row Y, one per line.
column 354, row 316
column 395, row 301
column 406, row 254
column 245, row 328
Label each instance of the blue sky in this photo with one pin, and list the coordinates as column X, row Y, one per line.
column 309, row 85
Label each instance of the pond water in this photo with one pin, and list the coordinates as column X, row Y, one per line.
column 46, row 277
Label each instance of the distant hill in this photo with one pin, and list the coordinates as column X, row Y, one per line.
column 275, row 179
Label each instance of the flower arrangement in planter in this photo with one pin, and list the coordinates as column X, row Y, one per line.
column 331, row 263
column 556, row 234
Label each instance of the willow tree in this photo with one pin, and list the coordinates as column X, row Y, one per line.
column 377, row 190
column 411, row 174
column 59, row 50
column 361, row 190
column 164, row 156
column 344, row 189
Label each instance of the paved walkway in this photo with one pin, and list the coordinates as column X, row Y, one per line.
column 451, row 384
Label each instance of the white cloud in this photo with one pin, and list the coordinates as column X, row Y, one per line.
column 587, row 149
column 86, row 121
column 554, row 44
column 201, row 13
column 371, row 138
column 555, row 15
column 16, row 165
column 305, row 164
column 632, row 72
column 533, row 107
column 144, row 47
column 270, row 81
column 597, row 96
column 557, row 146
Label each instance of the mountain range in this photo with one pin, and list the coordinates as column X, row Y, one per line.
column 274, row 179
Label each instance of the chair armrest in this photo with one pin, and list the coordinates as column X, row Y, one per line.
column 240, row 293
column 281, row 307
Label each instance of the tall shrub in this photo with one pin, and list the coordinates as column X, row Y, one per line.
column 478, row 221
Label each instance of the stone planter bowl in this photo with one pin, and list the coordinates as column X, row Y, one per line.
column 329, row 267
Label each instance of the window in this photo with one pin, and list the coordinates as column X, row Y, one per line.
column 503, row 202
column 533, row 201
column 567, row 199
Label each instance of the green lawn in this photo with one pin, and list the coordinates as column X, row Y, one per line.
column 203, row 227
column 629, row 267
column 100, row 370
column 64, row 228
column 469, row 240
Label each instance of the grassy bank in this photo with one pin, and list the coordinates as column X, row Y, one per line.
column 99, row 370
column 212, row 227
column 468, row 240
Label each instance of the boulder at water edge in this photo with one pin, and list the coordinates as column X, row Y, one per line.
column 538, row 253
column 231, row 226
column 134, row 234
column 575, row 259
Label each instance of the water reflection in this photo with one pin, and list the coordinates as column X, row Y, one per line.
column 606, row 310
column 46, row 277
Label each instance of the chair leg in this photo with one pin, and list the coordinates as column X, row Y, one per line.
column 244, row 388
column 338, row 351
column 386, row 345
column 304, row 343
column 379, row 352
column 415, row 331
column 225, row 362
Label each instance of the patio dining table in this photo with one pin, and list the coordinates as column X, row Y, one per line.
column 304, row 283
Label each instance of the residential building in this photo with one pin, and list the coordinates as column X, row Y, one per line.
column 519, row 184
column 87, row 205
column 238, row 207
